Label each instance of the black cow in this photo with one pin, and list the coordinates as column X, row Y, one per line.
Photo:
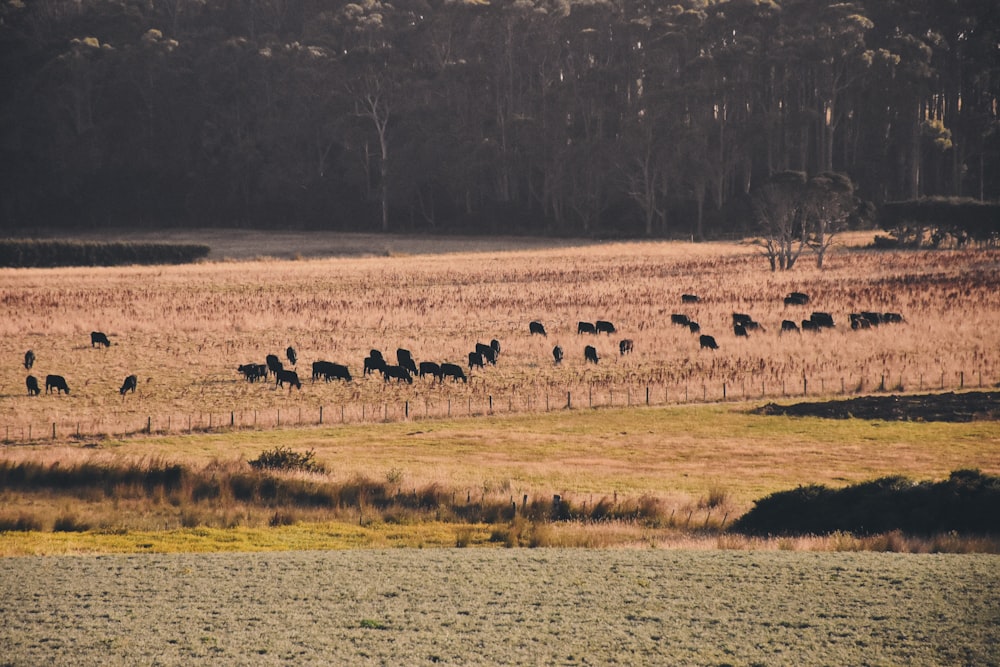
column 741, row 318
column 690, row 298
column 586, row 327
column 32, row 383
column 57, row 382
column 291, row 377
column 809, row 325
column 405, row 359
column 822, row 320
column 253, row 372
column 788, row 325
column 873, row 319
column 330, row 371
column 590, row 354
column 708, row 341
column 290, row 353
column 740, row 330
column 430, row 368
column 679, row 319
column 376, row 354
column 274, row 364
column 603, row 326
column 495, row 344
column 488, row 354
column 475, row 359
column 98, row 338
column 861, row 321
column 29, row 360
column 400, row 373
column 128, row 385
column 796, row 299
column 694, row 326
column 557, row 354
column 537, row 328
column 892, row 318
column 625, row 346
column 454, row 371
column 374, row 364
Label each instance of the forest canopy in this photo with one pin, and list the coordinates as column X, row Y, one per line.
column 564, row 117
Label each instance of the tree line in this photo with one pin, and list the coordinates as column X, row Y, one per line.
column 564, row 117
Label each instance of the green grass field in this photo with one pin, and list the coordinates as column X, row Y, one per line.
column 501, row 607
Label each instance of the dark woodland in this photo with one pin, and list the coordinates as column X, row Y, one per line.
column 561, row 117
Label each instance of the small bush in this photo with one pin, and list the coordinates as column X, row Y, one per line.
column 68, row 523
column 23, row 523
column 282, row 458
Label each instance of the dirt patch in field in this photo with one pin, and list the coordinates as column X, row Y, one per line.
column 948, row 407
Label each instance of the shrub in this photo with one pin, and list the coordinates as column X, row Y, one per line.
column 68, row 523
column 283, row 458
column 23, row 523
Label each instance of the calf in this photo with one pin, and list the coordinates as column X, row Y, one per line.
column 430, row 368
column 98, row 338
column 557, row 354
column 290, row 354
column 536, row 328
column 690, row 298
column 679, row 319
column 590, row 354
column 788, row 325
column 495, row 346
column 708, row 341
column 475, row 359
column 291, row 377
column 625, row 346
column 796, row 299
column 253, row 372
column 586, row 327
column 694, row 326
column 32, row 383
column 860, row 321
column 603, row 326
column 29, row 360
column 57, row 382
column 400, row 374
column 454, row 371
column 128, row 385
column 488, row 354
column 822, row 320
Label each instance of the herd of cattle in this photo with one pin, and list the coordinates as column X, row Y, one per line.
column 405, row 368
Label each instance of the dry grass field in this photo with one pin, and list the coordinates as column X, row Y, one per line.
column 184, row 330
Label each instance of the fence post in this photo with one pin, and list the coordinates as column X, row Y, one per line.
column 805, row 385
column 321, row 414
column 961, row 379
column 278, row 421
column 232, row 418
column 569, row 401
column 149, row 424
column 406, row 410
column 53, row 430
column 723, row 391
column 647, row 394
column 491, row 403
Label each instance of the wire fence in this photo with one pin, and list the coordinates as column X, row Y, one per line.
column 475, row 404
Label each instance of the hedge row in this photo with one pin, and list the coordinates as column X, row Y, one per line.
column 29, row 253
column 968, row 502
column 934, row 219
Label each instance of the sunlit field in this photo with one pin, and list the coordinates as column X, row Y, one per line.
column 184, row 330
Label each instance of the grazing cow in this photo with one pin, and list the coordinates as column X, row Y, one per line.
column 605, row 327
column 708, row 341
column 376, row 354
column 590, row 354
column 430, row 368
column 694, row 326
column 741, row 318
column 679, row 319
column 98, row 338
column 740, row 330
column 454, row 371
column 557, row 354
column 290, row 353
column 291, row 377
column 330, row 371
column 625, row 346
column 29, row 360
column 861, row 321
column 690, row 298
column 809, row 325
column 475, row 359
column 400, row 373
column 796, row 299
column 253, row 372
column 822, row 320
column 405, row 359
column 128, row 385
column 32, row 383
column 892, row 318
column 788, row 325
column 586, row 327
column 536, row 328
column 495, row 345
column 374, row 364
column 57, row 382
column 488, row 354
column 274, row 364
